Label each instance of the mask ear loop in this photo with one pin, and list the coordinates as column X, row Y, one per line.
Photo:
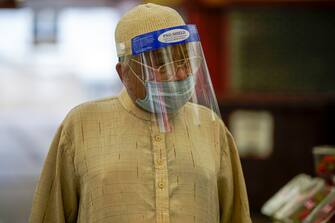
column 134, row 73
column 161, row 116
column 143, row 83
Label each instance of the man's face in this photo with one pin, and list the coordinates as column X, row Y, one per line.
column 167, row 64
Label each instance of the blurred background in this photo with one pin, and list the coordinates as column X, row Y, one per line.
column 271, row 62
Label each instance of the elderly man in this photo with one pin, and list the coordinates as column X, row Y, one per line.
column 158, row 152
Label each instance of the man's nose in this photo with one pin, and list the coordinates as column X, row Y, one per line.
column 181, row 74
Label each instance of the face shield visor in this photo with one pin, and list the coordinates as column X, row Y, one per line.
column 171, row 67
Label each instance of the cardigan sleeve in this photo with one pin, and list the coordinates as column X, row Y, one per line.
column 56, row 195
column 233, row 198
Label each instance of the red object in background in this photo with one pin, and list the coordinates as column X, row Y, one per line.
column 324, row 213
column 325, row 168
column 212, row 26
column 307, row 207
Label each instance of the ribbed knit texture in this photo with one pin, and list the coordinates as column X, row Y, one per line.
column 143, row 19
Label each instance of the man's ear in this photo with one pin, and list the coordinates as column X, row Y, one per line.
column 119, row 70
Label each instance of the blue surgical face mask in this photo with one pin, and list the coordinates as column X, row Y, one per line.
column 170, row 95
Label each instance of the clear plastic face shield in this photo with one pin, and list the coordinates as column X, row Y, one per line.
column 171, row 70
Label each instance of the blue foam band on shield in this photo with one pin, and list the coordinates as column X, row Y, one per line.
column 163, row 38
